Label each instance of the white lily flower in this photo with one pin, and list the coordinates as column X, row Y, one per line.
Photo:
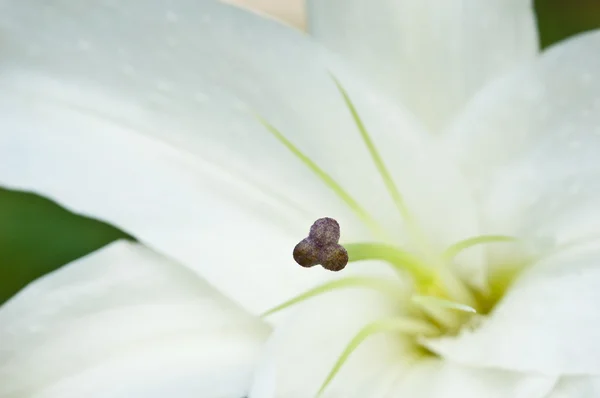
column 460, row 164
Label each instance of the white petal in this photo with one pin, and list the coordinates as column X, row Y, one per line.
column 149, row 126
column 547, row 323
column 433, row 55
column 301, row 352
column 530, row 143
column 434, row 378
column 125, row 322
column 577, row 387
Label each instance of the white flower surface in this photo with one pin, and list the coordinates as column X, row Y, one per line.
column 460, row 162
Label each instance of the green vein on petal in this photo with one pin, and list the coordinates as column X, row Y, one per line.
column 384, row 286
column 399, row 259
column 456, row 248
column 326, row 178
column 443, row 303
column 385, row 175
column 397, row 325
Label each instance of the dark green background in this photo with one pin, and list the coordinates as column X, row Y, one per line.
column 36, row 235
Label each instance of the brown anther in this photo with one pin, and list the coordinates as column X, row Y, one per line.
column 325, row 231
column 321, row 246
column 306, row 253
column 333, row 257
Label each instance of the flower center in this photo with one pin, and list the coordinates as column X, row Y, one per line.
column 439, row 301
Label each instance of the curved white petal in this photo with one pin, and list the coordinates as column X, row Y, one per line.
column 148, row 125
column 433, row 55
column 434, row 378
column 530, row 146
column 576, row 387
column 547, row 323
column 125, row 322
column 301, row 353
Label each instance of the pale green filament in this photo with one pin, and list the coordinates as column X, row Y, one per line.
column 326, row 178
column 455, row 287
column 440, row 302
column 443, row 311
column 400, row 260
column 456, row 248
column 443, row 317
column 385, row 175
column 416, row 234
column 392, row 325
column 392, row 289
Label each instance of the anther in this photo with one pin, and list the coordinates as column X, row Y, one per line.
column 325, row 231
column 333, row 257
column 321, row 246
column 306, row 253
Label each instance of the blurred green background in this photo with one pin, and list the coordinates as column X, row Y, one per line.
column 558, row 19
column 37, row 236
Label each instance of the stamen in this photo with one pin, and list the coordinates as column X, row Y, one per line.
column 385, row 175
column 397, row 325
column 326, row 179
column 455, row 287
column 456, row 248
column 430, row 300
column 439, row 315
column 400, row 260
column 384, row 286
